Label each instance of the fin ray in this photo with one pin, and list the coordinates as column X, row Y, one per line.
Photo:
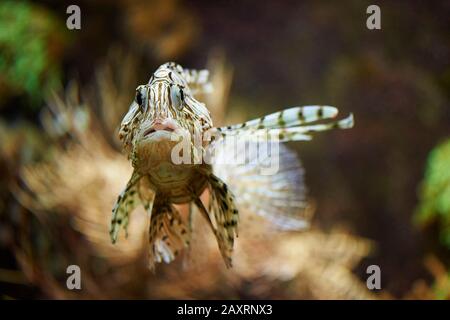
column 287, row 118
column 168, row 234
column 126, row 202
column 225, row 217
column 279, row 197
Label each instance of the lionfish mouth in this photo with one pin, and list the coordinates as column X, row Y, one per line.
column 152, row 130
column 168, row 125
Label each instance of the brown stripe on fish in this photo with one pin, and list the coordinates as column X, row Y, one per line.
column 281, row 121
column 320, row 112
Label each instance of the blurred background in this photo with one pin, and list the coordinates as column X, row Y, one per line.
column 381, row 190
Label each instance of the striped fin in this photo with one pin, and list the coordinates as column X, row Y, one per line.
column 198, row 80
column 284, row 134
column 301, row 132
column 280, row 197
column 125, row 204
column 225, row 217
column 168, row 234
column 193, row 76
column 287, row 118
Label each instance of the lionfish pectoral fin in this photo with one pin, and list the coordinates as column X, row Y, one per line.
column 168, row 234
column 279, row 197
column 222, row 216
column 293, row 124
column 126, row 202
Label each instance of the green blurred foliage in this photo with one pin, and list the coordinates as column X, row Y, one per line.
column 435, row 192
column 396, row 81
column 441, row 288
column 31, row 43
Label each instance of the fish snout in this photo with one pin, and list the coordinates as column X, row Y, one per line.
column 168, row 124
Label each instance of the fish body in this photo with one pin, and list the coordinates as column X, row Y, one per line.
column 163, row 112
column 164, row 116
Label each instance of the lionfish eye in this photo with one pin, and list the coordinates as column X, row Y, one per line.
column 177, row 97
column 139, row 98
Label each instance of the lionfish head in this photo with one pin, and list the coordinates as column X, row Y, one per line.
column 162, row 111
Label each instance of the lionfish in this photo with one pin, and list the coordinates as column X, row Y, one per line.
column 162, row 112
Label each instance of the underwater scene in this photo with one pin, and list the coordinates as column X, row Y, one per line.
column 168, row 149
